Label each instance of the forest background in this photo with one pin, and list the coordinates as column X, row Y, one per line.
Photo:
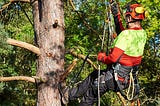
column 85, row 24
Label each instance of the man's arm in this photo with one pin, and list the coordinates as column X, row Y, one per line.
column 113, row 57
column 117, row 17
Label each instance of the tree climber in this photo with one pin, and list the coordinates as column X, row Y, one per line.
column 124, row 58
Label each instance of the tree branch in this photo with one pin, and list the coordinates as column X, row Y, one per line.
column 25, row 45
column 122, row 99
column 71, row 2
column 69, row 69
column 82, row 57
column 71, row 66
column 33, row 78
column 22, row 78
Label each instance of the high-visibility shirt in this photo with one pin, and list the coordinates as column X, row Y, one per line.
column 128, row 47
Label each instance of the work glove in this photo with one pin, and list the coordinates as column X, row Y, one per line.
column 114, row 8
column 101, row 57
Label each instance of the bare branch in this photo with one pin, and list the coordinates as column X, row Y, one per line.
column 82, row 57
column 71, row 2
column 22, row 78
column 25, row 45
column 122, row 99
column 69, row 69
column 33, row 78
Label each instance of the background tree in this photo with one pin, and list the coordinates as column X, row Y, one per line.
column 49, row 31
column 84, row 29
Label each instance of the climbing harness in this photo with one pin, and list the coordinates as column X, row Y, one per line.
column 132, row 89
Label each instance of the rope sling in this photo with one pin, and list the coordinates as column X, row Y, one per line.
column 131, row 83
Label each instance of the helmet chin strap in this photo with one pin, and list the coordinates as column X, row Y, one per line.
column 133, row 24
column 129, row 19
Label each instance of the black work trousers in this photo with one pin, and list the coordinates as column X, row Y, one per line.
column 88, row 88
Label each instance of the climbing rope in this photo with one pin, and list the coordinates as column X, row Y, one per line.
column 108, row 19
column 99, row 71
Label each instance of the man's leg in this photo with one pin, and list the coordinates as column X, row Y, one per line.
column 82, row 88
column 107, row 82
column 89, row 98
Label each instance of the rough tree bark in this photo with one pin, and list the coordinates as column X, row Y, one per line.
column 49, row 31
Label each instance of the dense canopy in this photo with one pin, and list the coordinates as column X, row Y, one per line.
column 86, row 24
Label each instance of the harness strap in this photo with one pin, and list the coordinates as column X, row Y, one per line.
column 118, row 83
column 131, row 82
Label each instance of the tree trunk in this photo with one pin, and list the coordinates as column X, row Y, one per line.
column 49, row 29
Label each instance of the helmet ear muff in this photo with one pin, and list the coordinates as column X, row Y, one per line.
column 146, row 14
column 139, row 10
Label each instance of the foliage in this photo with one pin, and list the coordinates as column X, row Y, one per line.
column 15, row 61
column 150, row 65
column 84, row 29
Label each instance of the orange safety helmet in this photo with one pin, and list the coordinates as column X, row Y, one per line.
column 136, row 11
